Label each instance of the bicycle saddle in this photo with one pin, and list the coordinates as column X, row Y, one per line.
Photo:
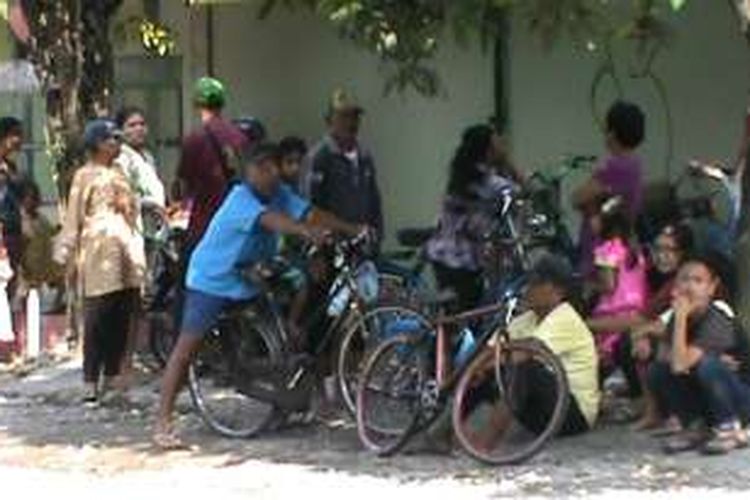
column 265, row 272
column 414, row 237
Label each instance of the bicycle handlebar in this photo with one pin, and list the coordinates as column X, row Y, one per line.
column 581, row 160
column 715, row 170
column 343, row 246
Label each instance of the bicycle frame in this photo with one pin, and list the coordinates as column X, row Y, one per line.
column 446, row 377
column 346, row 272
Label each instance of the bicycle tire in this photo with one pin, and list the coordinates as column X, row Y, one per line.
column 386, row 439
column 360, row 339
column 239, row 420
column 527, row 348
column 156, row 264
column 161, row 337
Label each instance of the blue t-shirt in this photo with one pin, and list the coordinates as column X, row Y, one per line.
column 235, row 239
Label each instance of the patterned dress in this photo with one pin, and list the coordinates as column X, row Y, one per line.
column 99, row 230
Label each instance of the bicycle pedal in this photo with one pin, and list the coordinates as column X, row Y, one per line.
column 301, row 360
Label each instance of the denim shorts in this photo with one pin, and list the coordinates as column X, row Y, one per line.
column 201, row 311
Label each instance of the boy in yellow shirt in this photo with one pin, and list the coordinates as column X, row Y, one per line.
column 552, row 319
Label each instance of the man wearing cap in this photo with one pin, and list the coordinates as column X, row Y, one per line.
column 206, row 164
column 340, row 174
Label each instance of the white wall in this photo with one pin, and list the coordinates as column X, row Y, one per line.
column 283, row 69
column 705, row 71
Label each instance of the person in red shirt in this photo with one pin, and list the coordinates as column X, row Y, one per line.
column 206, row 165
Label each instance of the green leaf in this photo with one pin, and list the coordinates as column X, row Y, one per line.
column 677, row 4
column 266, row 8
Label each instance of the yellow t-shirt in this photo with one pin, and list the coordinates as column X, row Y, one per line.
column 566, row 334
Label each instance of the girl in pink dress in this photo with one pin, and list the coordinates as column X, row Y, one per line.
column 621, row 279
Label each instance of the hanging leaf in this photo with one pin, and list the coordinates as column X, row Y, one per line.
column 677, row 4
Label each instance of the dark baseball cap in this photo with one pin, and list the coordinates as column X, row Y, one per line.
column 98, row 131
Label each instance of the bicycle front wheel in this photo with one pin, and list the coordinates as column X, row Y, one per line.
column 389, row 407
column 215, row 377
column 364, row 335
column 510, row 403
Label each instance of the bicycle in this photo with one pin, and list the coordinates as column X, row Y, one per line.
column 247, row 375
column 418, row 351
column 407, row 382
column 545, row 196
column 401, row 272
column 164, row 239
column 706, row 197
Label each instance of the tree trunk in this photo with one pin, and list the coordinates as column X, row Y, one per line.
column 741, row 9
column 72, row 55
column 55, row 51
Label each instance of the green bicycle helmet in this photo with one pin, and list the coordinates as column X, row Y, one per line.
column 210, row 93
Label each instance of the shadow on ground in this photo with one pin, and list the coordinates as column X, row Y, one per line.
column 42, row 425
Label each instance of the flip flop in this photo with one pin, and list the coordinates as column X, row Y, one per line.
column 168, row 441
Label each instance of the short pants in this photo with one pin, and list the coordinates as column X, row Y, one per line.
column 201, row 311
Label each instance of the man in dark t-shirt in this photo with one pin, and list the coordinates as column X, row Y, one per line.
column 340, row 173
column 208, row 152
column 704, row 378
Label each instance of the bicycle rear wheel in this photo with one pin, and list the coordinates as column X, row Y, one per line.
column 214, row 377
column 497, row 415
column 365, row 334
column 162, row 336
column 393, row 382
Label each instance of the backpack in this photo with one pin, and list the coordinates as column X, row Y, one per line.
column 228, row 156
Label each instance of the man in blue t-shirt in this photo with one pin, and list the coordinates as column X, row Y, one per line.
column 245, row 230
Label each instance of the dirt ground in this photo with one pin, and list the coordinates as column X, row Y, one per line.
column 50, row 443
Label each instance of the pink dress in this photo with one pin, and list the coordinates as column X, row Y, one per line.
column 629, row 296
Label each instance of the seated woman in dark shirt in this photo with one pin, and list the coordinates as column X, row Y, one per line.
column 702, row 376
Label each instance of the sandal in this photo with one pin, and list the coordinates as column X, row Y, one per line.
column 726, row 439
column 687, row 440
column 621, row 414
column 669, row 428
column 167, row 440
column 90, row 395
